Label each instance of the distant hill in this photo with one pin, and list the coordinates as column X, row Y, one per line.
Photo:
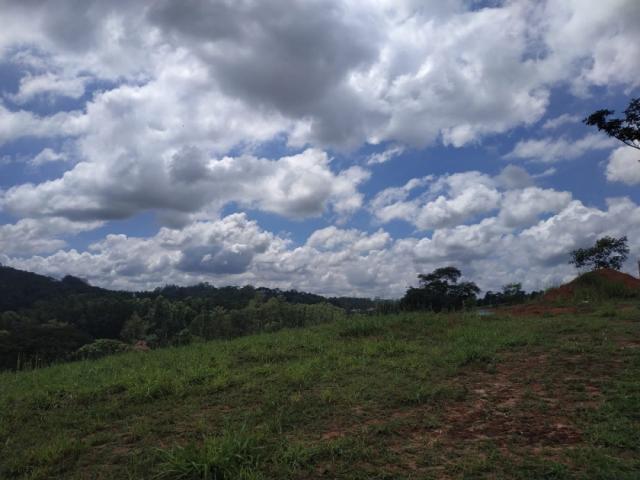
column 44, row 320
column 20, row 289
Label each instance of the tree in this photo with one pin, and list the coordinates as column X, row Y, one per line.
column 134, row 329
column 513, row 293
column 440, row 290
column 608, row 252
column 101, row 348
column 626, row 129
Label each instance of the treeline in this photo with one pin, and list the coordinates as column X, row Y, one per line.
column 511, row 294
column 44, row 320
column 20, row 289
column 37, row 336
column 442, row 290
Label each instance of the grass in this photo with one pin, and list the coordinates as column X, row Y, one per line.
column 593, row 287
column 401, row 396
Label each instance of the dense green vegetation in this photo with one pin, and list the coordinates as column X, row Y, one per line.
column 440, row 290
column 511, row 294
column 44, row 320
column 608, row 252
column 396, row 396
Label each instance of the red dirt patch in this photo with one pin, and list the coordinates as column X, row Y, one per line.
column 521, row 404
column 548, row 303
column 613, row 276
column 332, row 434
column 537, row 309
column 512, row 406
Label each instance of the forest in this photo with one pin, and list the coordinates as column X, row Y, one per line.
column 43, row 320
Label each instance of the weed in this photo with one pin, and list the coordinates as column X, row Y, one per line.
column 361, row 327
column 235, row 454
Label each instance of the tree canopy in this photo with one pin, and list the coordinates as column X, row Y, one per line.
column 608, row 252
column 44, row 320
column 626, row 129
column 440, row 290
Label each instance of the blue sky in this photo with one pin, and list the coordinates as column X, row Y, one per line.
column 337, row 147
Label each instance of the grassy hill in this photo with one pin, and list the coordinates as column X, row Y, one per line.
column 398, row 396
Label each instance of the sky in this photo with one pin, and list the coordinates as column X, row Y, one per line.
column 339, row 147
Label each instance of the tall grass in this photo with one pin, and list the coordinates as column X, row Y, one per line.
column 235, row 454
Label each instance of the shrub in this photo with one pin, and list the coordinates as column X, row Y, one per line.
column 232, row 455
column 101, row 348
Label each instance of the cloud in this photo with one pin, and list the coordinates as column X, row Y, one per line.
column 458, row 207
column 385, row 155
column 334, row 239
column 577, row 226
column 294, row 57
column 448, row 200
column 591, row 46
column 118, row 186
column 514, row 176
column 524, row 207
column 30, row 236
column 232, row 250
column 564, row 119
column 329, row 74
column 624, row 166
column 48, row 84
column 551, row 150
column 47, row 155
column 224, row 247
column 452, row 200
column 174, row 99
column 336, row 261
column 20, row 124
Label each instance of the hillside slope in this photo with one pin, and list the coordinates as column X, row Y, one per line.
column 405, row 396
column 21, row 289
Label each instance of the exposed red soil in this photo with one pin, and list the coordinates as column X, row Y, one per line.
column 548, row 303
column 537, row 309
column 524, row 405
column 613, row 276
column 513, row 407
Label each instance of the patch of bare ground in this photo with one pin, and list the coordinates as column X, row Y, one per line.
column 539, row 309
column 519, row 404
column 527, row 405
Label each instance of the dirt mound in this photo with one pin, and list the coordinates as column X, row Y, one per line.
column 599, row 285
column 605, row 279
column 616, row 276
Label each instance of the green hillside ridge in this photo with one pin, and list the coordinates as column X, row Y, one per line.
column 404, row 396
column 44, row 320
column 21, row 289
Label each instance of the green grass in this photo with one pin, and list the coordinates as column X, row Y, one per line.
column 366, row 397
